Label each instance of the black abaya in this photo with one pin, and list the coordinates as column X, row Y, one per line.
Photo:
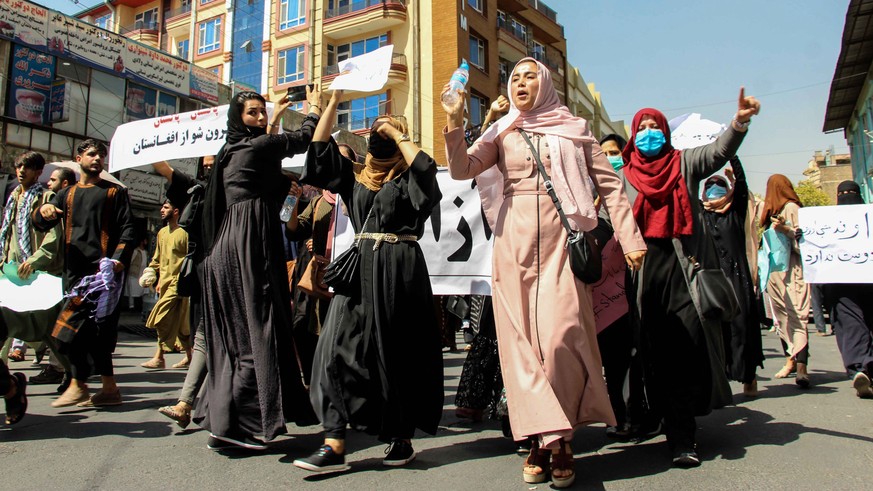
column 743, row 350
column 254, row 384
column 378, row 364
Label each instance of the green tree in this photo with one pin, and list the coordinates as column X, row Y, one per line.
column 812, row 196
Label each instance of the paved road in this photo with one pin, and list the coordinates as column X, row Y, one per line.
column 786, row 439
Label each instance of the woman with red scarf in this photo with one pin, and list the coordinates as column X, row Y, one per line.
column 682, row 350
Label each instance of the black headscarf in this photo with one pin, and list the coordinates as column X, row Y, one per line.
column 215, row 204
column 849, row 193
column 621, row 142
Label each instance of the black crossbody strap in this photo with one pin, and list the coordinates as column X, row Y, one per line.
column 547, row 181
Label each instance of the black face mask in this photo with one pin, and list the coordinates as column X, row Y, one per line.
column 379, row 147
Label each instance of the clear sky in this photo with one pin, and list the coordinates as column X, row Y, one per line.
column 684, row 56
column 693, row 55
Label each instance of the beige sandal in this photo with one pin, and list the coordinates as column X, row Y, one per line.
column 154, row 364
column 563, row 461
column 789, row 368
column 536, row 465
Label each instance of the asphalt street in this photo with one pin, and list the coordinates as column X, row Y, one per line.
column 785, row 439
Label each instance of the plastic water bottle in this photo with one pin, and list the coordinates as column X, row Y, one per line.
column 457, row 82
column 287, row 208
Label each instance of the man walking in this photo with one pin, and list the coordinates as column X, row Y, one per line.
column 170, row 315
column 97, row 225
column 28, row 250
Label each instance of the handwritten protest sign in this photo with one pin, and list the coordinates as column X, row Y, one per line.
column 365, row 73
column 837, row 244
column 609, row 297
column 456, row 243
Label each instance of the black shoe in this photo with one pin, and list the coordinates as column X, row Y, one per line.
column 399, row 453
column 48, row 375
column 219, row 442
column 65, row 383
column 686, row 459
column 323, row 460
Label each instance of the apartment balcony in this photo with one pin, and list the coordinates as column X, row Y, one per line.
column 143, row 31
column 397, row 74
column 177, row 21
column 363, row 16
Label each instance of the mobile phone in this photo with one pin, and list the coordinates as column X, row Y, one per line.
column 298, row 93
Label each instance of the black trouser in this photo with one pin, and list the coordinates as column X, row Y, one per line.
column 94, row 342
column 616, row 347
column 852, row 320
column 334, row 424
column 5, row 377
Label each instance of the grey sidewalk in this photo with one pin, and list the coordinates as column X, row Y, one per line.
column 786, row 439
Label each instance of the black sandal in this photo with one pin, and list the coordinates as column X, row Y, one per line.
column 16, row 406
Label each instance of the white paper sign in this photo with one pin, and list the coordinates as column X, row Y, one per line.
column 365, row 73
column 144, row 187
column 191, row 134
column 837, row 244
column 456, row 243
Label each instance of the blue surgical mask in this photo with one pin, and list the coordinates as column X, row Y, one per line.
column 650, row 142
column 715, row 192
column 616, row 161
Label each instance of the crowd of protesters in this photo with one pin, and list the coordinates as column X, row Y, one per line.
column 357, row 341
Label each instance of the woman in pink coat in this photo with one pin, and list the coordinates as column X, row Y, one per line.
column 544, row 315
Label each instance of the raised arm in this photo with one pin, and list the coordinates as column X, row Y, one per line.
column 702, row 162
column 465, row 163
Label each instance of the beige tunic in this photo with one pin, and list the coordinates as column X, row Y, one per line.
column 544, row 316
column 790, row 293
column 170, row 314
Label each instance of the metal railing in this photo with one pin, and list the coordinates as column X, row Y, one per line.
column 184, row 9
column 543, row 9
column 141, row 25
column 396, row 59
column 519, row 30
column 356, row 5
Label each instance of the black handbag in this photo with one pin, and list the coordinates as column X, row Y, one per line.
column 188, row 285
column 715, row 296
column 583, row 247
column 342, row 273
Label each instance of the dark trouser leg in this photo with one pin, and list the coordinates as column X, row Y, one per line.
column 5, row 379
column 854, row 330
column 803, row 355
column 615, row 344
column 245, row 397
column 104, row 345
column 79, row 351
column 334, row 423
column 818, row 308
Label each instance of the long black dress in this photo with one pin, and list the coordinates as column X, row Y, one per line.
column 743, row 351
column 378, row 365
column 254, row 383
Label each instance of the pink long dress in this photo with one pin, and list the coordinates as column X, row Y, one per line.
column 544, row 317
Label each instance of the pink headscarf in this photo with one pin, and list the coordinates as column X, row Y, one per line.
column 563, row 130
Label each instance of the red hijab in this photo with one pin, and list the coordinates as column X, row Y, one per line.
column 663, row 209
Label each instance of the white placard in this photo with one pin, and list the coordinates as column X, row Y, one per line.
column 191, row 134
column 456, row 244
column 144, row 187
column 365, row 73
column 837, row 244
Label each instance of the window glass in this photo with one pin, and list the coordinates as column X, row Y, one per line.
column 78, row 100
column 107, row 106
column 210, row 36
column 292, row 13
column 290, row 66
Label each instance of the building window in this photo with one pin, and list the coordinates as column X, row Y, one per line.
column 338, row 53
column 477, row 52
column 478, row 109
column 104, row 21
column 210, row 36
column 476, row 4
column 182, row 48
column 504, row 67
column 146, row 20
column 292, row 13
column 359, row 114
column 290, row 66
column 538, row 52
column 297, row 106
column 216, row 70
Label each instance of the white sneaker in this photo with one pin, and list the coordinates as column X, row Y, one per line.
column 862, row 385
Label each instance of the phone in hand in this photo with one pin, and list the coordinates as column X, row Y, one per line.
column 298, row 93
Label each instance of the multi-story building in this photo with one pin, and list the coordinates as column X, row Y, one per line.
column 850, row 105
column 826, row 170
column 272, row 46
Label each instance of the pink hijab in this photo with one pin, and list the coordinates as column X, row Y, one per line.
column 563, row 130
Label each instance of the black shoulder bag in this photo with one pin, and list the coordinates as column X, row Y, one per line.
column 583, row 247
column 342, row 273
